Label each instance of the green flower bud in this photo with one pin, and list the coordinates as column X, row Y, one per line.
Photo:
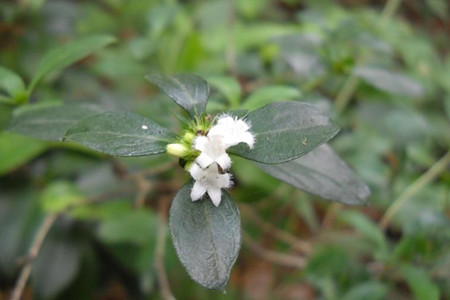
column 188, row 137
column 178, row 150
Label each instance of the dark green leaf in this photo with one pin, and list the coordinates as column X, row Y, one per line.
column 323, row 173
column 207, row 238
column 390, row 81
column 187, row 90
column 16, row 150
column 11, row 82
column 50, row 122
column 269, row 94
column 56, row 266
column 284, row 131
column 67, row 54
column 121, row 134
column 420, row 283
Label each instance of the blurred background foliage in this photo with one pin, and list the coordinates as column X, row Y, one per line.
column 380, row 69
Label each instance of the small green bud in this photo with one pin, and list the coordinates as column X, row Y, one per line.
column 178, row 150
column 188, row 137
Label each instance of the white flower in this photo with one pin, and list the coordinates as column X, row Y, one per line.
column 212, row 150
column 209, row 181
column 233, row 131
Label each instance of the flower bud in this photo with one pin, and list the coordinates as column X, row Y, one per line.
column 178, row 150
column 188, row 137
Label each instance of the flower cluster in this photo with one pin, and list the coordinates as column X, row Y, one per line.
column 205, row 157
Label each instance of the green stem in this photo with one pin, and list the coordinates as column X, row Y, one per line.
column 390, row 8
column 415, row 187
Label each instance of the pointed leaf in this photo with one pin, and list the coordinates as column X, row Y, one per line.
column 188, row 91
column 284, row 131
column 321, row 172
column 207, row 238
column 50, row 122
column 420, row 283
column 121, row 133
column 67, row 54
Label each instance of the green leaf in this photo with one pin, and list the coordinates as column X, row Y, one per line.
column 390, row 81
column 135, row 227
column 368, row 229
column 121, row 133
column 59, row 196
column 321, row 172
column 11, row 82
column 284, row 131
column 50, row 122
column 67, row 54
column 269, row 94
column 228, row 86
column 56, row 266
column 16, row 150
column 420, row 283
column 371, row 290
column 207, row 238
column 188, row 91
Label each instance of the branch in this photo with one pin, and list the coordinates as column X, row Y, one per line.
column 32, row 254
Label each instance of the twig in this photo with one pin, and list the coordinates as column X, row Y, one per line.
column 416, row 186
column 32, row 254
column 281, row 259
column 166, row 293
column 282, row 235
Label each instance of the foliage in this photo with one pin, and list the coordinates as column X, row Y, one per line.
column 346, row 102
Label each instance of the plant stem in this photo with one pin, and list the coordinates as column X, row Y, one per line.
column 390, row 8
column 32, row 254
column 416, row 186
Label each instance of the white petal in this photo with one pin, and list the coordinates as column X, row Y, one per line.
column 198, row 190
column 224, row 181
column 195, row 171
column 249, row 139
column 215, row 195
column 200, row 143
column 224, row 161
column 204, row 160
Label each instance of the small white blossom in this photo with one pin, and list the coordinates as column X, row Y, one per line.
column 209, row 181
column 233, row 131
column 212, row 150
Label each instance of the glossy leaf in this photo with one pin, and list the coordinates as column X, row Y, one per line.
column 16, row 150
column 121, row 134
column 269, row 94
column 321, row 172
column 390, row 81
column 284, row 131
column 67, row 54
column 50, row 122
column 188, row 91
column 207, row 238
